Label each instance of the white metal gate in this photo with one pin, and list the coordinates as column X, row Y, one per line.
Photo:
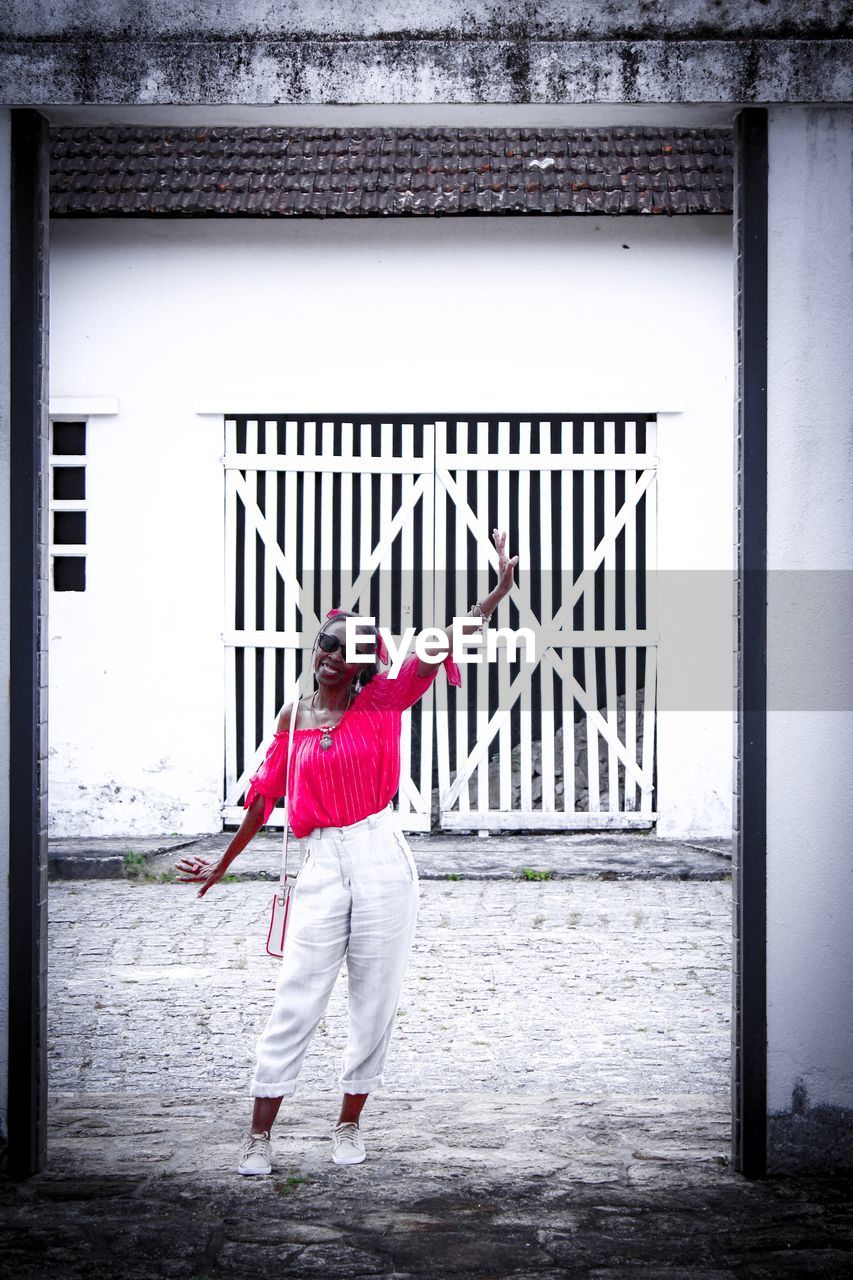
column 392, row 517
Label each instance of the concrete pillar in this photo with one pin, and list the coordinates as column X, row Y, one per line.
column 27, row 772
column 5, row 184
column 809, row 628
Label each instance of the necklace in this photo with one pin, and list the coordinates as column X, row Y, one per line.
column 326, row 738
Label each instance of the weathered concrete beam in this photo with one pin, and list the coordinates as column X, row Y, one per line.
column 79, row 70
column 399, row 20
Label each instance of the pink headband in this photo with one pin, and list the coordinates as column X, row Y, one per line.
column 381, row 650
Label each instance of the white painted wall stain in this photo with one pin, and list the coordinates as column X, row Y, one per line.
column 450, row 314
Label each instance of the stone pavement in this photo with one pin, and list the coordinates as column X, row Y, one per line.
column 596, row 987
column 556, row 1099
column 473, row 1186
column 499, row 856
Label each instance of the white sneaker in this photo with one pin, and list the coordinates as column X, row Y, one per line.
column 347, row 1145
column 255, row 1156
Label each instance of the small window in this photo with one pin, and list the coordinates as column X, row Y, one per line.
column 69, row 439
column 69, row 482
column 69, row 528
column 68, row 505
column 69, row 573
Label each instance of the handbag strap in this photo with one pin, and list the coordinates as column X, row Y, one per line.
column 294, row 712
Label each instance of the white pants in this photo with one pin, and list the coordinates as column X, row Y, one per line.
column 356, row 895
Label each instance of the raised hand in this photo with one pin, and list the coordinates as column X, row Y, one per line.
column 506, row 567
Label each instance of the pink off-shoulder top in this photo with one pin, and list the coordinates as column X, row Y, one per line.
column 360, row 773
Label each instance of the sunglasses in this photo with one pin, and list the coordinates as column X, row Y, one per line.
column 329, row 644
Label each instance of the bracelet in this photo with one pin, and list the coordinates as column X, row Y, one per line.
column 480, row 611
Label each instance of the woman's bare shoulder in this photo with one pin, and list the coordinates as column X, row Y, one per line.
column 284, row 719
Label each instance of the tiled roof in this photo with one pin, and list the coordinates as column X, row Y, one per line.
column 251, row 172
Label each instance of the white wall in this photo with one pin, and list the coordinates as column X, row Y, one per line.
column 5, row 179
column 810, row 608
column 452, row 314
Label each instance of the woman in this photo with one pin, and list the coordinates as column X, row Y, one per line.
column 357, row 890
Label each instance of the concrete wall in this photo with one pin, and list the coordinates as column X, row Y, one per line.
column 809, row 625
column 515, row 315
column 5, row 799
column 162, row 51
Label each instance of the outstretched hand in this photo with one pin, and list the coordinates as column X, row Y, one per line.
column 199, row 871
column 506, row 567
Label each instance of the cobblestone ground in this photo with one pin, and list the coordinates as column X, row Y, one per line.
column 585, row 986
column 557, row 1101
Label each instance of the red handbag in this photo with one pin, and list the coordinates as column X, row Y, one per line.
column 281, row 901
column 279, row 915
